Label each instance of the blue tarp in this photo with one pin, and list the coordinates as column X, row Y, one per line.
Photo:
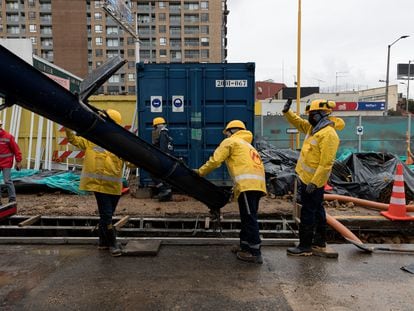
column 64, row 180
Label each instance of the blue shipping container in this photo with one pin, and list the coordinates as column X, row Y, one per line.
column 197, row 101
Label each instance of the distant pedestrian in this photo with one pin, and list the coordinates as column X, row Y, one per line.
column 102, row 175
column 162, row 140
column 9, row 152
column 247, row 171
column 313, row 168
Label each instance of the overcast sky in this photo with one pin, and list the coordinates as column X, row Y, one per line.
column 344, row 42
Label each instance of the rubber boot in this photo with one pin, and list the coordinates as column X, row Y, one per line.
column 319, row 246
column 114, row 247
column 305, row 242
column 165, row 195
column 103, row 239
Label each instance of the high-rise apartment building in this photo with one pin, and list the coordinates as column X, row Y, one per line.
column 79, row 36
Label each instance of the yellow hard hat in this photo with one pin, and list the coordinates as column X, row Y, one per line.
column 158, row 120
column 321, row 104
column 114, row 115
column 234, row 124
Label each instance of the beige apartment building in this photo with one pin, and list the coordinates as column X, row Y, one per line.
column 79, row 36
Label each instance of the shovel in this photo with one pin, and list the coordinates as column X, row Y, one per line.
column 371, row 249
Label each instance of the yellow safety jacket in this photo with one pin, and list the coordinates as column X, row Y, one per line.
column 101, row 171
column 243, row 162
column 318, row 150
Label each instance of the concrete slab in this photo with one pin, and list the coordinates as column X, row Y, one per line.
column 68, row 277
column 141, row 248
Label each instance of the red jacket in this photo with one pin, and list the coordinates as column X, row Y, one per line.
column 8, row 150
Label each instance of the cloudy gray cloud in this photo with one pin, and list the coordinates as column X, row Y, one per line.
column 344, row 43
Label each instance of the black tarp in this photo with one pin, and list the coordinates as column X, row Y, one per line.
column 367, row 176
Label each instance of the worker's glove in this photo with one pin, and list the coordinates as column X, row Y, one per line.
column 310, row 188
column 287, row 105
column 18, row 166
column 195, row 170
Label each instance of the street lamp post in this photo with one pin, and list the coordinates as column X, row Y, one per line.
column 387, row 81
column 337, row 75
column 408, row 86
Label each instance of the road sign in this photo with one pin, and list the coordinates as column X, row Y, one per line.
column 178, row 103
column 156, row 103
column 359, row 130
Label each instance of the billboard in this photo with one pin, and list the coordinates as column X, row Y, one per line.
column 402, row 71
column 359, row 106
column 121, row 12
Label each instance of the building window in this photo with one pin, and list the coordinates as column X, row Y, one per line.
column 131, row 64
column 98, row 4
column 98, row 28
column 205, row 54
column 32, row 28
column 191, row 53
column 47, row 42
column 98, row 41
column 98, row 16
column 190, row 30
column 163, row 41
column 204, row 17
column 163, row 53
column 98, row 64
column 204, row 29
column 32, row 15
column 131, row 77
column 31, row 3
column 175, row 55
column 131, row 52
column 205, row 42
column 114, row 79
column 130, row 41
column 204, row 5
column 13, row 5
column 112, row 42
column 98, row 52
column 111, row 30
column 45, row 30
column 162, row 17
column 162, row 29
column 191, row 18
column 110, row 54
column 34, row 40
column 191, row 42
column 161, row 5
column 192, row 6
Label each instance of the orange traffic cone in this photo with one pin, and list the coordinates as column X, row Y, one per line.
column 397, row 208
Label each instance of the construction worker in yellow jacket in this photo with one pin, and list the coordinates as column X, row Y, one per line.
column 247, row 171
column 313, row 168
column 102, row 175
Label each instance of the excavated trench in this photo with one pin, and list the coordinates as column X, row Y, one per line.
column 275, row 230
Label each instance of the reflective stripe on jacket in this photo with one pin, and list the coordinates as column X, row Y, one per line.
column 243, row 162
column 318, row 151
column 8, row 150
column 101, row 171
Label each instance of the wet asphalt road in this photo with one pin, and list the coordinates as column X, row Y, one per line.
column 72, row 277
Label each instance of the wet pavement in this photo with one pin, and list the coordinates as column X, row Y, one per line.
column 71, row 277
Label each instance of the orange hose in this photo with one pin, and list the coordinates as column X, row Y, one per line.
column 344, row 231
column 362, row 202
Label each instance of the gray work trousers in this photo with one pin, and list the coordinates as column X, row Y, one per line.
column 9, row 184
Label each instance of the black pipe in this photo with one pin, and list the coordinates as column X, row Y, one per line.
column 22, row 84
